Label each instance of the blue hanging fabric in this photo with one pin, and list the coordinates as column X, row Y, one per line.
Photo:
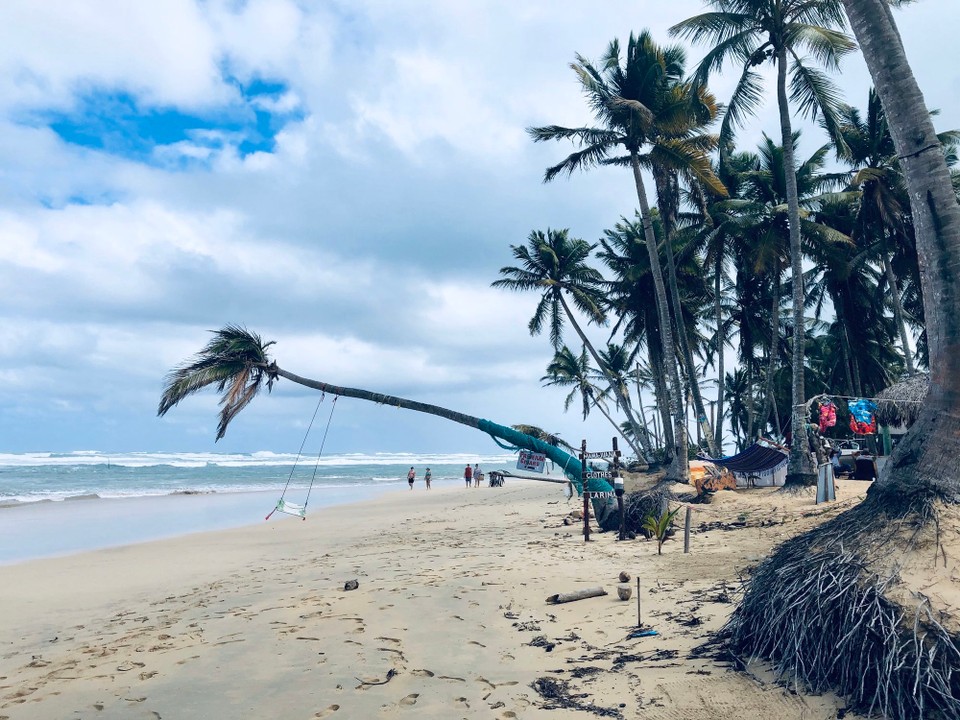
column 862, row 418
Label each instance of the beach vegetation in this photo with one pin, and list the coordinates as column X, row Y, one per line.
column 659, row 526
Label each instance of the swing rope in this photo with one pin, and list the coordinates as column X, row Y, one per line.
column 292, row 508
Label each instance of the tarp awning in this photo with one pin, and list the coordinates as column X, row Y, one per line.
column 755, row 460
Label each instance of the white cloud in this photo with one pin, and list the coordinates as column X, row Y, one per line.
column 364, row 242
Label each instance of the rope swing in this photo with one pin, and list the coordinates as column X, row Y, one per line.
column 290, row 508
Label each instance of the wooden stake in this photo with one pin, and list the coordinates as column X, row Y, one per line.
column 586, row 494
column 639, row 619
column 686, row 530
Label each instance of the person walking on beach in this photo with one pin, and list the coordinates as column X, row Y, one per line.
column 476, row 475
column 427, row 477
column 411, row 476
column 468, row 474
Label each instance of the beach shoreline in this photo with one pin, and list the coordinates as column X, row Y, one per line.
column 449, row 618
column 52, row 528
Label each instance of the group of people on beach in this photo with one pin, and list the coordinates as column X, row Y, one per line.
column 470, row 475
column 473, row 473
column 412, row 475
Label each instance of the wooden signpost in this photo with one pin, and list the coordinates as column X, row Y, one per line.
column 589, row 474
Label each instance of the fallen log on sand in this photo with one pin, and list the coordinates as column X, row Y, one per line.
column 577, row 595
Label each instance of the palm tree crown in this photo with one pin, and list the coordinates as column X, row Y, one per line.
column 553, row 262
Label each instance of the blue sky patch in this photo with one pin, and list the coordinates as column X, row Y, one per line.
column 115, row 122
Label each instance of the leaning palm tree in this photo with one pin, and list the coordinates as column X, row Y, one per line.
column 750, row 33
column 628, row 98
column 894, row 636
column 574, row 371
column 236, row 363
column 555, row 264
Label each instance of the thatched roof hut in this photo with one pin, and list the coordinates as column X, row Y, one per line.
column 900, row 403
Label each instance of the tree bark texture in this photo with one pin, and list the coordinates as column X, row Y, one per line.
column 927, row 457
column 721, row 343
column 898, row 314
column 664, row 184
column 679, row 469
column 799, row 469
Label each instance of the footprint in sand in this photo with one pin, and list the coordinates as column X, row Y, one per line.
column 423, row 673
column 462, row 702
column 327, row 712
column 508, row 714
column 410, row 699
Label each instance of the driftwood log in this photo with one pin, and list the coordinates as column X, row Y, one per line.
column 576, row 595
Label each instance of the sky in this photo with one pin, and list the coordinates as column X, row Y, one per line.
column 344, row 178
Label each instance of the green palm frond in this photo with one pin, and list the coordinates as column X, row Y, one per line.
column 814, row 93
column 827, row 45
column 747, row 97
column 235, row 361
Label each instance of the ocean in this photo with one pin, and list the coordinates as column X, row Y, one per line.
column 62, row 503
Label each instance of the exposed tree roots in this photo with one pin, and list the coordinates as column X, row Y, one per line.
column 638, row 505
column 838, row 608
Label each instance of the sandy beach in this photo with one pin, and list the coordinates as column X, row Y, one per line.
column 449, row 619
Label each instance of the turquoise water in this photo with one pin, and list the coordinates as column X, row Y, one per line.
column 32, row 477
column 62, row 503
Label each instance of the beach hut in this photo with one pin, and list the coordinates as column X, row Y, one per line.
column 898, row 407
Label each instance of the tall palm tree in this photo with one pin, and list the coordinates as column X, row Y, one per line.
column 555, row 264
column 574, row 371
column 629, row 100
column 678, row 155
column 936, row 216
column 872, row 561
column 236, row 363
column 720, row 221
column 883, row 219
column 750, row 33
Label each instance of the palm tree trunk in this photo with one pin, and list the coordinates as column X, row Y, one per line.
column 800, row 468
column 926, row 458
column 772, row 350
column 721, row 343
column 571, row 465
column 898, row 313
column 845, row 348
column 643, row 414
column 750, row 403
column 663, row 183
column 679, row 470
column 614, row 385
column 655, row 351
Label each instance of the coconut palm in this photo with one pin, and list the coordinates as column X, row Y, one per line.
column 719, row 222
column 574, row 371
column 630, row 100
column 236, row 363
column 555, row 264
column 679, row 155
column 631, row 298
column 883, row 218
column 750, row 33
column 872, row 561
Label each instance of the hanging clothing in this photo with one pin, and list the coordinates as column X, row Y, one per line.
column 862, row 418
column 828, row 416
